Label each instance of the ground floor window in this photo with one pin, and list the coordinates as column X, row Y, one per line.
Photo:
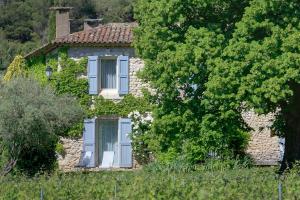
column 108, row 142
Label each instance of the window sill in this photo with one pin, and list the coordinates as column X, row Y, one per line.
column 110, row 94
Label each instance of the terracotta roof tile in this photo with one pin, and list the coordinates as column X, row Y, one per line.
column 112, row 33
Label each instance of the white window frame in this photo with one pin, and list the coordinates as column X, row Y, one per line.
column 109, row 93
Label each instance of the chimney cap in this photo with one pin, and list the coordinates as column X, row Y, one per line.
column 61, row 8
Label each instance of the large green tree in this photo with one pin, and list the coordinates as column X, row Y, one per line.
column 180, row 41
column 261, row 68
column 209, row 61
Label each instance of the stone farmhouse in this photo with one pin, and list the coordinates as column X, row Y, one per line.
column 111, row 73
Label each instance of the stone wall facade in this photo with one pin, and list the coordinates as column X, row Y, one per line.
column 263, row 147
column 135, row 64
column 73, row 148
column 72, row 153
column 135, row 84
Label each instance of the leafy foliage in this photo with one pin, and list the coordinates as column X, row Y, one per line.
column 163, row 183
column 260, row 67
column 180, row 41
column 141, row 125
column 16, row 68
column 261, row 57
column 67, row 80
column 10, row 48
column 24, row 20
column 31, row 119
column 71, row 79
column 36, row 68
column 59, row 149
column 122, row 108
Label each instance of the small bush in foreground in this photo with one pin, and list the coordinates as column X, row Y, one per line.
column 31, row 118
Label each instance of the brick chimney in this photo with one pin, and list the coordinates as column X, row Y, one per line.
column 62, row 20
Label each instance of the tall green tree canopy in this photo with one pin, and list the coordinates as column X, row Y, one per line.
column 261, row 67
column 179, row 41
column 211, row 60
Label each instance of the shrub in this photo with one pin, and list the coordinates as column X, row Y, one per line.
column 67, row 80
column 16, row 68
column 31, row 119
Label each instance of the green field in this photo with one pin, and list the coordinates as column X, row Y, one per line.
column 155, row 183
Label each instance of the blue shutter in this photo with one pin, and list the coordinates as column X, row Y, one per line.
column 123, row 74
column 89, row 142
column 125, row 143
column 93, row 74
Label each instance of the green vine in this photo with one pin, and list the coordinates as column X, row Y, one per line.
column 128, row 104
column 71, row 79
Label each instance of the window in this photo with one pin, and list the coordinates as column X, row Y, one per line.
column 106, row 143
column 108, row 139
column 108, row 76
column 108, row 73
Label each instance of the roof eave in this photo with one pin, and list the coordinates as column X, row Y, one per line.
column 53, row 45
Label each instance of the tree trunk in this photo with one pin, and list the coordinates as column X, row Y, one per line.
column 291, row 115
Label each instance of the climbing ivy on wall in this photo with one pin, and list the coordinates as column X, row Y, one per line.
column 71, row 79
column 36, row 67
column 128, row 104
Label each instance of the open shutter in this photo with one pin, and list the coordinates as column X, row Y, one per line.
column 93, row 74
column 125, row 143
column 123, row 75
column 89, row 141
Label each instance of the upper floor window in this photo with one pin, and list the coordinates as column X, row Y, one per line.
column 108, row 76
column 108, row 73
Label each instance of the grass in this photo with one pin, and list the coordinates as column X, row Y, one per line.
column 155, row 183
